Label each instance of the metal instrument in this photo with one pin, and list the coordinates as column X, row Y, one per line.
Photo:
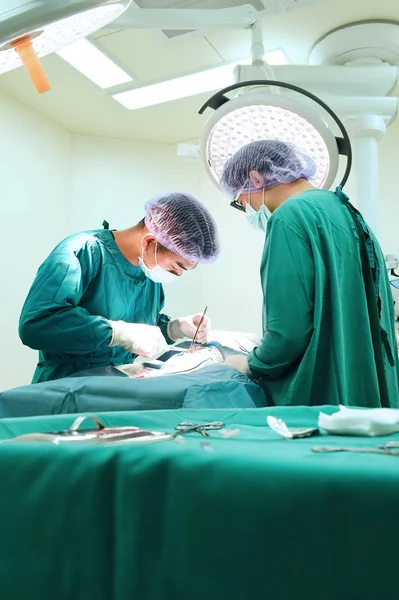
column 198, row 328
column 202, row 428
column 380, row 450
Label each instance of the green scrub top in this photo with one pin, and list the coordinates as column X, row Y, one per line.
column 85, row 281
column 317, row 344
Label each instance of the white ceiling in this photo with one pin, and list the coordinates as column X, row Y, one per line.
column 81, row 107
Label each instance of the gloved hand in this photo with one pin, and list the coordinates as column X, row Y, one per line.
column 145, row 340
column 185, row 327
column 238, row 362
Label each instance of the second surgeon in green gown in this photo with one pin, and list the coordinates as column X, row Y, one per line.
column 97, row 299
column 325, row 341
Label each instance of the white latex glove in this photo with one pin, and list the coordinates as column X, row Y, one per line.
column 185, row 327
column 238, row 362
column 145, row 340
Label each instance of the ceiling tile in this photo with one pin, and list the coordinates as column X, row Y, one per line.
column 148, row 58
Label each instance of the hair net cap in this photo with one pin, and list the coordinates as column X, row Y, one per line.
column 183, row 225
column 277, row 162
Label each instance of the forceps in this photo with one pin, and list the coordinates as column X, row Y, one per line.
column 202, row 428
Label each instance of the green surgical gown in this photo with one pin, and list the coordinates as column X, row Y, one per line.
column 85, row 281
column 317, row 346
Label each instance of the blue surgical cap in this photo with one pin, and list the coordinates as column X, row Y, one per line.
column 277, row 162
column 183, row 225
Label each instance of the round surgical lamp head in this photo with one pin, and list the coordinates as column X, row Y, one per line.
column 31, row 29
column 260, row 115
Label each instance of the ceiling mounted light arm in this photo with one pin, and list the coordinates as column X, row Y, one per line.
column 258, row 57
column 239, row 17
column 257, row 46
column 343, row 143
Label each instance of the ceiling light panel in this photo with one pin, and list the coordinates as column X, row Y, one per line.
column 94, row 64
column 188, row 85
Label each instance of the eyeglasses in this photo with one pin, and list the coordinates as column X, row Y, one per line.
column 236, row 204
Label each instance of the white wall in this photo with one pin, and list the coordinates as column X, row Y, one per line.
column 54, row 184
column 62, row 184
column 34, row 189
column 112, row 179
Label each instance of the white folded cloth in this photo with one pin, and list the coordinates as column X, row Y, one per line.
column 367, row 422
column 236, row 340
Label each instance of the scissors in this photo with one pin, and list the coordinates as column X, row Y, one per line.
column 197, row 330
column 202, row 428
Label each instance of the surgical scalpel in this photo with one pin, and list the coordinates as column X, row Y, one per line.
column 198, row 328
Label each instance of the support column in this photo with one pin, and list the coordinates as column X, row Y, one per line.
column 365, row 133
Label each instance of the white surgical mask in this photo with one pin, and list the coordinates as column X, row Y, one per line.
column 258, row 218
column 157, row 274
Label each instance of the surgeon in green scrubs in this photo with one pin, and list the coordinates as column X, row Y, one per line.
column 328, row 313
column 97, row 299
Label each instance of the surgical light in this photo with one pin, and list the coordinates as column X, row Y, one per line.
column 260, row 114
column 32, row 29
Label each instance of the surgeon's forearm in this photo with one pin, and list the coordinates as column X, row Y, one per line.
column 69, row 330
column 277, row 354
